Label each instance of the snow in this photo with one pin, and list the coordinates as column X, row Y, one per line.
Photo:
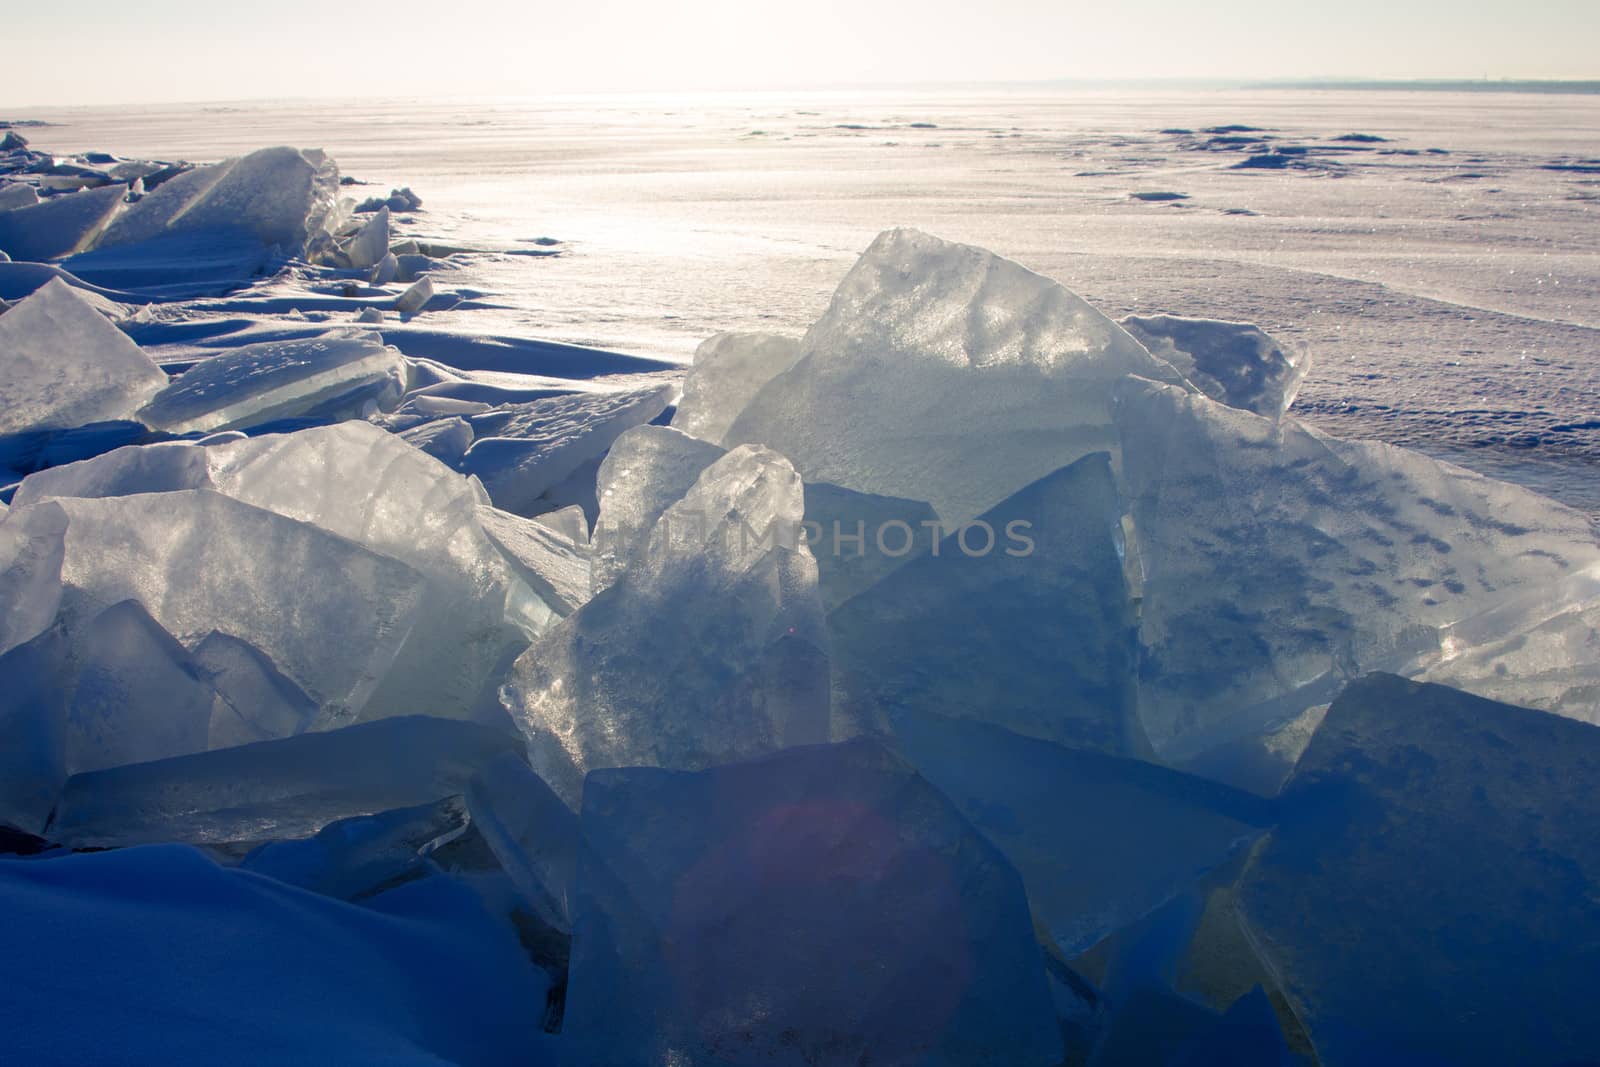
column 259, row 383
column 729, row 369
column 276, row 790
column 823, row 904
column 1432, row 844
column 944, row 373
column 62, row 364
column 227, row 966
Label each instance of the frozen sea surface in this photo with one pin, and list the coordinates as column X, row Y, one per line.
column 1445, row 279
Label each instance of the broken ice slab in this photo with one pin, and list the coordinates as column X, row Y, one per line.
column 152, row 214
column 282, row 196
column 531, row 832
column 1046, row 644
column 256, row 701
column 139, row 695
column 213, row 965
column 523, row 450
column 555, row 567
column 1540, row 650
column 858, row 538
column 1280, row 562
column 370, row 245
column 62, row 364
column 1099, row 840
column 712, row 604
column 647, row 470
column 728, row 371
column 60, row 226
column 35, row 681
column 157, row 468
column 17, row 194
column 272, row 380
column 941, row 372
column 821, row 905
column 276, row 790
column 357, row 858
column 570, row 522
column 1234, row 363
column 32, row 547
column 200, row 561
column 446, row 440
column 1432, row 845
column 385, row 271
column 415, row 298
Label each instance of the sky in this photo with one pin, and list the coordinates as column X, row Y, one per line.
column 114, row 51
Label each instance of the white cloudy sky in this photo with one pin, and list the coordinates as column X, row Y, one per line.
column 115, row 51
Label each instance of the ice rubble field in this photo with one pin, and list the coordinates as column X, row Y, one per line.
column 973, row 680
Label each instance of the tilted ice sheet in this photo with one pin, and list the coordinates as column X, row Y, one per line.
column 256, row 702
column 277, row 790
column 59, row 226
column 647, row 470
column 823, row 905
column 138, row 695
column 35, row 684
column 1280, row 562
column 1023, row 621
column 531, row 832
column 62, row 364
column 859, row 538
column 283, row 196
column 728, row 371
column 32, row 547
column 731, row 620
column 941, row 372
column 330, row 614
column 258, row 383
column 522, row 450
column 1428, row 896
column 1099, row 840
column 554, row 566
column 1232, row 362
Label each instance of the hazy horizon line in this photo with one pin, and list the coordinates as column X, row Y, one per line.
column 1573, row 85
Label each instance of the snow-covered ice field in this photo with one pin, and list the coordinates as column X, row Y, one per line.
column 1446, row 280
column 947, row 580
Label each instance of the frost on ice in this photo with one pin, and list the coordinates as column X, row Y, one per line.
column 824, row 904
column 62, row 364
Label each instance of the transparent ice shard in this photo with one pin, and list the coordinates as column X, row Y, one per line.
column 648, row 469
column 1280, row 562
column 532, row 833
column 256, row 701
column 1022, row 619
column 1234, row 363
column 553, row 566
column 259, row 383
column 32, row 547
column 139, row 695
column 717, row 604
column 1431, row 843
column 276, row 790
column 941, row 372
column 35, row 684
column 820, row 905
column 728, row 371
column 62, row 364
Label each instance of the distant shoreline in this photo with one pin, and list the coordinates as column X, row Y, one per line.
column 1443, row 86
